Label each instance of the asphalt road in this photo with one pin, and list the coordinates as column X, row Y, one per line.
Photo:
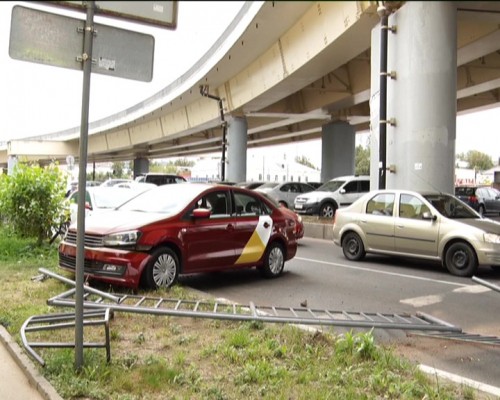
column 320, row 275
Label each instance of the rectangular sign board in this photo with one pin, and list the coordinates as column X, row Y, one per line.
column 159, row 13
column 57, row 40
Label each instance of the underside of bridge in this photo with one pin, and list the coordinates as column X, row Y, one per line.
column 296, row 67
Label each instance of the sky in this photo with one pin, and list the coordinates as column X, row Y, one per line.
column 38, row 99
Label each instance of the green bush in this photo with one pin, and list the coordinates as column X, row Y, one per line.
column 32, row 200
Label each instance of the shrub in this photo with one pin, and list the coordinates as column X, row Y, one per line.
column 32, row 200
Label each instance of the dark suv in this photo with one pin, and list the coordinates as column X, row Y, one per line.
column 160, row 178
column 483, row 199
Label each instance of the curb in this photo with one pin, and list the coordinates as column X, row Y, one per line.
column 34, row 377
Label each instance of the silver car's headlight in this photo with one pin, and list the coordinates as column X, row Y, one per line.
column 121, row 239
column 492, row 238
column 312, row 200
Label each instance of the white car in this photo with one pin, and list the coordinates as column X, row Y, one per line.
column 285, row 192
column 103, row 198
column 336, row 193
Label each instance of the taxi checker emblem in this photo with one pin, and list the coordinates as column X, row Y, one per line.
column 257, row 243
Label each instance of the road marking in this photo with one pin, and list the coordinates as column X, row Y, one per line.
column 423, row 300
column 473, row 289
column 419, row 278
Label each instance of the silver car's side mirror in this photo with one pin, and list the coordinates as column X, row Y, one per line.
column 429, row 215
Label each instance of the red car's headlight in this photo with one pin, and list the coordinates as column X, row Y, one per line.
column 129, row 238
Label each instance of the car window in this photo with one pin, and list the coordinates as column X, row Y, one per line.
column 351, row 187
column 217, row 203
column 381, row 204
column 411, row 207
column 364, row 186
column 451, row 207
column 292, row 188
column 74, row 197
column 331, row 186
column 305, row 188
column 247, row 205
column 286, row 188
column 465, row 191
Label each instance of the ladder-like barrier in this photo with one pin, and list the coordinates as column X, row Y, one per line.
column 99, row 306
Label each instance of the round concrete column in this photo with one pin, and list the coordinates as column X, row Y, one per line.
column 338, row 141
column 422, row 99
column 141, row 166
column 237, row 130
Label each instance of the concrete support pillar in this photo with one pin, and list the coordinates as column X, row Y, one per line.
column 338, row 140
column 141, row 166
column 421, row 100
column 237, row 134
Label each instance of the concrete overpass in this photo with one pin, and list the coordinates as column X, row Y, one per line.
column 288, row 69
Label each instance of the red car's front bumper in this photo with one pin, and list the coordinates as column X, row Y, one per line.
column 120, row 267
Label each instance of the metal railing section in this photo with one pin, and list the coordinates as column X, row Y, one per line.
column 95, row 299
column 61, row 321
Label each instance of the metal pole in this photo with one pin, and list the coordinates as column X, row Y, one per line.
column 224, row 131
column 82, row 183
column 204, row 92
column 383, row 101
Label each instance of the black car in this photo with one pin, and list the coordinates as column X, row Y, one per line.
column 483, row 199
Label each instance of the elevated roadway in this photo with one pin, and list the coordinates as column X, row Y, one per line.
column 289, row 68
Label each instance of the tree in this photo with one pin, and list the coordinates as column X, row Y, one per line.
column 184, row 162
column 476, row 160
column 362, row 160
column 118, row 168
column 303, row 160
column 32, row 200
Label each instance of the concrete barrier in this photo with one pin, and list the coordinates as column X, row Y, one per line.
column 318, row 231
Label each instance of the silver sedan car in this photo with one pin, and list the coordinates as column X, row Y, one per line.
column 425, row 225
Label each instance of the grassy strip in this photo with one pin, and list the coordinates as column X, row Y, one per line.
column 158, row 357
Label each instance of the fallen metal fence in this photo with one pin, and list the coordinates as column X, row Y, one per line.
column 95, row 299
column 50, row 322
column 99, row 306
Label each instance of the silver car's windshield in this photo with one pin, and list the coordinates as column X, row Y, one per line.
column 451, row 207
column 330, row 186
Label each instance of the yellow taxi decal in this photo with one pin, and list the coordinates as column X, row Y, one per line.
column 256, row 245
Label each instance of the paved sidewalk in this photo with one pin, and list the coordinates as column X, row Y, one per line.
column 19, row 378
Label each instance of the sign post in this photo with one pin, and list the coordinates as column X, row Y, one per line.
column 47, row 38
column 82, row 184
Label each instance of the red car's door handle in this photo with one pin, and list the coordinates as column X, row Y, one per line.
column 230, row 227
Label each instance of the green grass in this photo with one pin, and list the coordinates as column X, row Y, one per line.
column 159, row 357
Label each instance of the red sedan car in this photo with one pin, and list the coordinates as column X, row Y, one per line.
column 183, row 229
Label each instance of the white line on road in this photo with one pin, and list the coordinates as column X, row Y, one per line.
column 382, row 272
column 423, row 300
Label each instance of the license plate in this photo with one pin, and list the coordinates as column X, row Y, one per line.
column 298, row 206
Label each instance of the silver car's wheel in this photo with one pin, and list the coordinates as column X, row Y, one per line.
column 163, row 269
column 353, row 247
column 327, row 210
column 461, row 260
column 274, row 261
